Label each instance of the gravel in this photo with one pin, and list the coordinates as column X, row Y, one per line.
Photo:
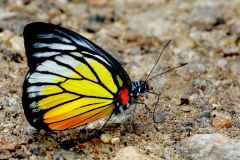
column 199, row 102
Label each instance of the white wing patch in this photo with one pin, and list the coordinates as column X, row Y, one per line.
column 77, row 54
column 34, row 105
column 51, row 35
column 47, row 78
column 35, row 91
column 97, row 57
column 68, row 60
column 57, row 46
column 46, row 54
column 53, row 67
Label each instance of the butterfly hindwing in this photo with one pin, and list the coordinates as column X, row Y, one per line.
column 71, row 81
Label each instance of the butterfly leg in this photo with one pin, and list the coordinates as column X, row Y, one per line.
column 148, row 110
column 132, row 118
column 155, row 107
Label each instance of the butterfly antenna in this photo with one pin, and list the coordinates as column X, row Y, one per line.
column 156, row 62
column 168, row 70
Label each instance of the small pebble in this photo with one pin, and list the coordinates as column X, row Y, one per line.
column 205, row 114
column 193, row 98
column 160, row 117
column 5, row 36
column 69, row 155
column 130, row 153
column 221, row 120
column 221, row 63
column 204, row 17
column 106, row 138
column 115, row 140
column 235, row 28
column 35, row 151
column 17, row 44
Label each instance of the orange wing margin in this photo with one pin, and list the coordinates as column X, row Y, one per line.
column 83, row 119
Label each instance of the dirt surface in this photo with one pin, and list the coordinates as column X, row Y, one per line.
column 202, row 97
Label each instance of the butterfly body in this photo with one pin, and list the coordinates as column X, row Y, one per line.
column 71, row 81
column 138, row 88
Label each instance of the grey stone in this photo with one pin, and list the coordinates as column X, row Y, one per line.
column 160, row 117
column 235, row 28
column 210, row 147
column 68, row 155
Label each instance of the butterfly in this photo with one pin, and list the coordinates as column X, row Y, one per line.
column 71, row 81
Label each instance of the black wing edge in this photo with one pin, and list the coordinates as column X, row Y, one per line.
column 35, row 119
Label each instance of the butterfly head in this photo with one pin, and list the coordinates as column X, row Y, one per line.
column 129, row 95
column 138, row 88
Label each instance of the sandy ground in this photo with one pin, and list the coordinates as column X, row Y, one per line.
column 202, row 97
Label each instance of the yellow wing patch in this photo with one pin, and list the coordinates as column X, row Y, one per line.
column 120, row 82
column 51, row 89
column 104, row 74
column 85, row 87
column 54, row 100
column 84, row 70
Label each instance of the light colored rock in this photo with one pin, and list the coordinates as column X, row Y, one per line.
column 235, row 69
column 204, row 16
column 156, row 149
column 235, row 27
column 221, row 63
column 5, row 36
column 17, row 44
column 115, row 140
column 130, row 153
column 68, row 155
column 119, row 8
column 4, row 14
column 160, row 117
column 210, row 147
column 62, row 2
column 185, row 42
column 76, row 9
column 106, row 138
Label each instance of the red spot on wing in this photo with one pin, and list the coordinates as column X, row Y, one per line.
column 123, row 96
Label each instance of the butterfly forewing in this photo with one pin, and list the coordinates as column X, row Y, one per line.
column 71, row 81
